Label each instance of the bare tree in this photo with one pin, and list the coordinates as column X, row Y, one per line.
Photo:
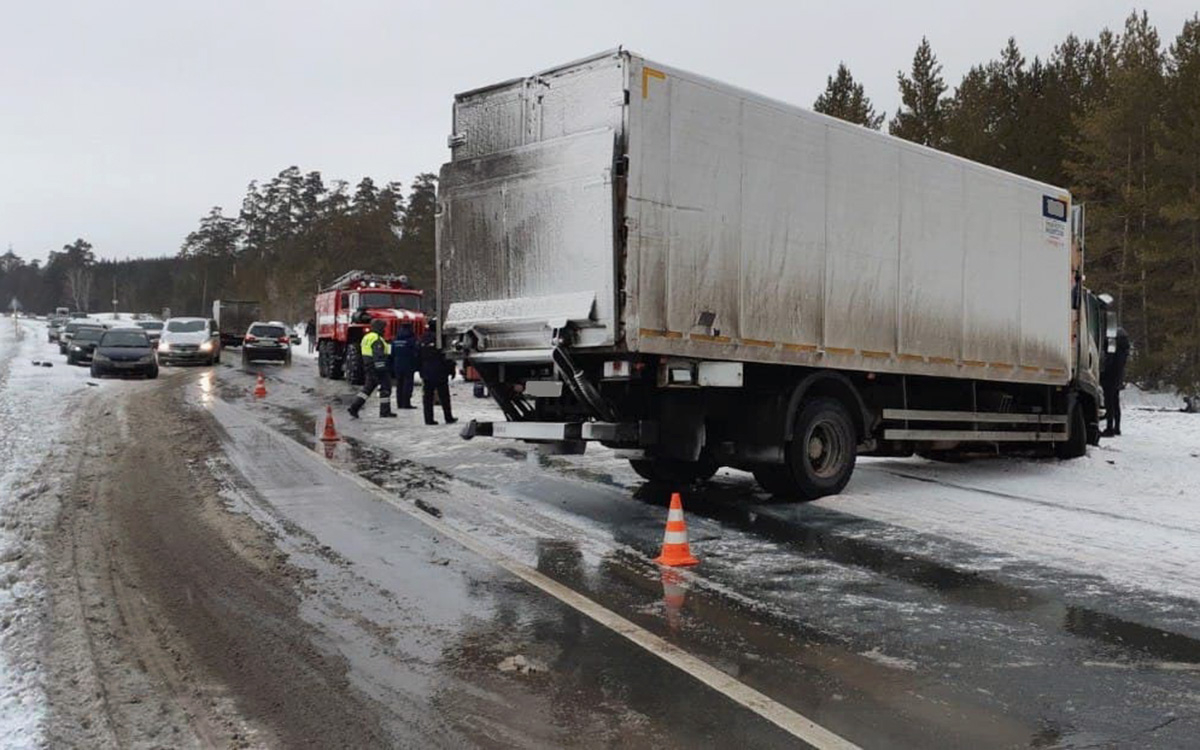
column 79, row 286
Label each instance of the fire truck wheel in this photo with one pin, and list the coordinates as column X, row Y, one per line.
column 322, row 361
column 354, row 365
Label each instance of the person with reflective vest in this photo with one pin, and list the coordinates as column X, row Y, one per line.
column 376, row 357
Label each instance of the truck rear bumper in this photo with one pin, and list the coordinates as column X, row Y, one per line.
column 625, row 434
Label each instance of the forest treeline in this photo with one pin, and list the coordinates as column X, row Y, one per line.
column 1116, row 119
column 293, row 233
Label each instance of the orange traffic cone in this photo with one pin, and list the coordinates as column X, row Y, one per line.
column 675, row 550
column 260, row 388
column 330, row 435
column 674, row 593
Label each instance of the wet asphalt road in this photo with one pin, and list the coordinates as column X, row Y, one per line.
column 878, row 634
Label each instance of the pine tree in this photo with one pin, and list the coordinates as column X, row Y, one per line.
column 921, row 118
column 417, row 234
column 1112, row 170
column 1177, row 262
column 845, row 99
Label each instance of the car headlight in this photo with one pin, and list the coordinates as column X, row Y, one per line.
column 99, row 357
column 76, row 348
column 206, row 346
column 164, row 346
column 147, row 359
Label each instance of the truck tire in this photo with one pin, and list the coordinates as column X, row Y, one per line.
column 355, row 373
column 824, row 446
column 672, row 471
column 1075, row 446
column 322, row 361
column 336, row 365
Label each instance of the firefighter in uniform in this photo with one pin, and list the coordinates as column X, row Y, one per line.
column 376, row 355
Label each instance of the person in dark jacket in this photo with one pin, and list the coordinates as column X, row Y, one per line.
column 1112, row 380
column 436, row 372
column 310, row 334
column 406, row 355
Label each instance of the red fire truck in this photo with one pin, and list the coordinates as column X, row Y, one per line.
column 345, row 309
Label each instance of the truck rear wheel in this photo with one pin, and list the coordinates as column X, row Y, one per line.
column 820, row 458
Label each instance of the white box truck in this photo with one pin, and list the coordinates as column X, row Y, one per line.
column 700, row 276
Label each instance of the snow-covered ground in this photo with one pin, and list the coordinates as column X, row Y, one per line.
column 1129, row 512
column 33, row 401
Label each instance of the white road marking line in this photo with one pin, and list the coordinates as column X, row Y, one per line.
column 790, row 721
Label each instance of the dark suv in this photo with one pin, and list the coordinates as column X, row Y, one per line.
column 267, row 341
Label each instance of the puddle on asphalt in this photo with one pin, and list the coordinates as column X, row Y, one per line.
column 822, row 534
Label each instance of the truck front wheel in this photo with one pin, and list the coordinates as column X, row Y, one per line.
column 820, row 458
column 1075, row 446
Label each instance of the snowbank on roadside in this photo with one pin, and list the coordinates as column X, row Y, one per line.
column 34, row 406
column 1135, row 397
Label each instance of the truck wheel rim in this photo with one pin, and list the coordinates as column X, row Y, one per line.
column 825, row 449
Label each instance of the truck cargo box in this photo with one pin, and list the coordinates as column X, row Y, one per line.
column 652, row 210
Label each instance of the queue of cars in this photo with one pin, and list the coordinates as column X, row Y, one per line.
column 140, row 347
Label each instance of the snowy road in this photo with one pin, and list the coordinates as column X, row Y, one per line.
column 996, row 603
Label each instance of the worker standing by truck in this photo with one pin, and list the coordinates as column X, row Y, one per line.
column 405, row 356
column 1112, row 379
column 435, row 377
column 376, row 357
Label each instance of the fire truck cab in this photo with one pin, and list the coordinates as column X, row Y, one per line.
column 345, row 310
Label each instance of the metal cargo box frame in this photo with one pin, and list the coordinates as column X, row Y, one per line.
column 740, row 228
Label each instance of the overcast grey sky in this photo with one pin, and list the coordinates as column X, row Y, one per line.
column 123, row 122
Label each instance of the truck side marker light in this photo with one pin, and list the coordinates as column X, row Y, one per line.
column 675, row 550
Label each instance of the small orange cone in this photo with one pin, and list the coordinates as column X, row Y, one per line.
column 674, row 593
column 675, row 550
column 260, row 388
column 330, row 435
